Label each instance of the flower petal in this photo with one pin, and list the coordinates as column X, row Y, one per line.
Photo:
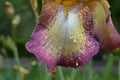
column 63, row 40
column 36, row 46
column 104, row 28
column 48, row 13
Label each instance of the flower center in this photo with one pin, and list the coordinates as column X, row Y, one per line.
column 70, row 2
column 67, row 32
column 67, row 2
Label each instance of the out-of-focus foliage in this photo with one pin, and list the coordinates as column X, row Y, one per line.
column 39, row 71
column 115, row 12
column 17, row 20
column 23, row 8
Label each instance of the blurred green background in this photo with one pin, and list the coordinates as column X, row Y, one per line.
column 23, row 8
column 13, row 38
column 22, row 32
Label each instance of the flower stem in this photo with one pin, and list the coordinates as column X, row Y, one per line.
column 13, row 33
column 16, row 56
column 119, row 70
column 107, row 71
column 61, row 73
column 74, row 72
column 17, row 59
column 46, row 74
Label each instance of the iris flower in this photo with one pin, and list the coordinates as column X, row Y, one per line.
column 67, row 32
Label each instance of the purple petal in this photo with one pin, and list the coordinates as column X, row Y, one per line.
column 37, row 45
column 80, row 58
column 63, row 40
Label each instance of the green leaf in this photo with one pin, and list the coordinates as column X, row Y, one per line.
column 119, row 70
column 34, row 73
column 61, row 73
column 107, row 71
column 73, row 74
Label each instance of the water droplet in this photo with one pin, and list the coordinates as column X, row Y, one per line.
column 77, row 64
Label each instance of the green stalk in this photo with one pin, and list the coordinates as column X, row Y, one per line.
column 17, row 59
column 73, row 75
column 119, row 70
column 46, row 74
column 13, row 33
column 16, row 56
column 107, row 71
column 61, row 73
column 90, row 68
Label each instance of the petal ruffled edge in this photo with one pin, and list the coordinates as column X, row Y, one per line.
column 80, row 59
column 34, row 46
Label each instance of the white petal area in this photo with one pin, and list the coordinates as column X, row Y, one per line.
column 66, row 34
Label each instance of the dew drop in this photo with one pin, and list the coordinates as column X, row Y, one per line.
column 76, row 63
